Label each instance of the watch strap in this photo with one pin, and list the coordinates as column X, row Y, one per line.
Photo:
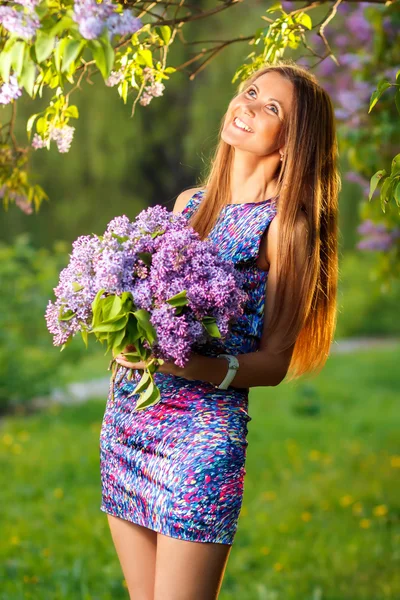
column 232, row 369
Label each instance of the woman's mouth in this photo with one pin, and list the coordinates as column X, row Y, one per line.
column 239, row 124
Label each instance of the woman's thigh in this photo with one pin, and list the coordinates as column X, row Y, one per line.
column 136, row 547
column 189, row 570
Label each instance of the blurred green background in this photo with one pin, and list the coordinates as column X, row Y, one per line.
column 320, row 518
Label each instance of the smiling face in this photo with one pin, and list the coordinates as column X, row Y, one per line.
column 263, row 106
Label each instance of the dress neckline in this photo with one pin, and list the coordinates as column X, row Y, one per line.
column 272, row 199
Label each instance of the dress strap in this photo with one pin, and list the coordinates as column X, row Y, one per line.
column 193, row 203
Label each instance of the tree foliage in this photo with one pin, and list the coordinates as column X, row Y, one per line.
column 57, row 46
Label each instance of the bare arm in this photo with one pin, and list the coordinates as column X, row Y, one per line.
column 261, row 368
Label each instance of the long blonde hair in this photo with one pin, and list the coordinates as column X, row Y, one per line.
column 308, row 180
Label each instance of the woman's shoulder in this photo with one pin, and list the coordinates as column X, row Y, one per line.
column 184, row 197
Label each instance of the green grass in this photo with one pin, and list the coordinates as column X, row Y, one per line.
column 320, row 515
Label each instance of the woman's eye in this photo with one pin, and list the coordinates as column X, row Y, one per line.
column 273, row 105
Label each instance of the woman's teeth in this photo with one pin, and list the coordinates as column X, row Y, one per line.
column 242, row 125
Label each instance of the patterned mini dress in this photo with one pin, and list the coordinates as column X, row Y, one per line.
column 178, row 467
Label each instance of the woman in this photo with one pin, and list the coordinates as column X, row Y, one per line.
column 172, row 475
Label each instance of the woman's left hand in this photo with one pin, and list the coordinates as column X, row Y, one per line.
column 168, row 367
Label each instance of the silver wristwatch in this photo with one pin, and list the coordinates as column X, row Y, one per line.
column 233, row 367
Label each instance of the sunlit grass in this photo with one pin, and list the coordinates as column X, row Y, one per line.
column 320, row 515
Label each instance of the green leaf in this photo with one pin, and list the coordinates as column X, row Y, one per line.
column 41, row 125
column 179, row 299
column 17, row 57
column 5, row 63
column 97, row 299
column 375, row 180
column 28, row 76
column 143, row 383
column 145, row 57
column 77, row 287
column 385, row 192
column 111, row 308
column 104, row 57
column 148, row 398
column 132, row 357
column 144, row 324
column 110, row 327
column 84, row 335
column 395, row 165
column 63, row 24
column 72, row 112
column 397, row 194
column 145, row 257
column 304, row 19
column 44, row 46
column 382, row 86
column 30, row 123
column 164, row 32
column 211, row 327
column 71, row 52
column 67, row 315
column 58, row 53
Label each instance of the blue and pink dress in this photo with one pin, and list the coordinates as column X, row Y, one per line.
column 178, row 467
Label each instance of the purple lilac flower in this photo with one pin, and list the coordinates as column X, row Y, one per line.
column 10, row 91
column 29, row 4
column 359, row 26
column 180, row 261
column 20, row 200
column 78, row 274
column 123, row 23
column 377, row 236
column 153, row 90
column 92, row 18
column 115, row 78
column 18, row 22
column 62, row 136
column 38, row 142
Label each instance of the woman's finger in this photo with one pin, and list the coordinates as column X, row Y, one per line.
column 129, row 365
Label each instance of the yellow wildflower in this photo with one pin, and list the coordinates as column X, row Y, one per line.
column 278, row 566
column 365, row 523
column 265, row 550
column 7, row 439
column 58, row 493
column 380, row 510
column 395, row 461
column 346, row 500
column 14, row 540
column 314, row 455
column 306, row 516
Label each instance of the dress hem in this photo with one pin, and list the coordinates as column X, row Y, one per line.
column 157, row 529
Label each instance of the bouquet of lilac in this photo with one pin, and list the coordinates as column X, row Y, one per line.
column 151, row 284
